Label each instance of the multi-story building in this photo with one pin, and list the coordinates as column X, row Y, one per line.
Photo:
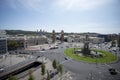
column 36, row 40
column 19, row 40
column 81, row 38
column 3, row 42
column 24, row 41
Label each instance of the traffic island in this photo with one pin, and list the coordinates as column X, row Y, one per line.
column 104, row 57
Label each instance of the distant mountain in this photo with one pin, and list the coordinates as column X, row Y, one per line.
column 15, row 32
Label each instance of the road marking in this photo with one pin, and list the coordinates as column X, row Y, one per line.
column 108, row 65
column 111, row 67
column 65, row 61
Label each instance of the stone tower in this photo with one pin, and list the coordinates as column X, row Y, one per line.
column 62, row 36
column 53, row 36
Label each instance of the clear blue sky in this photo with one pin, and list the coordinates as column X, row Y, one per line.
column 101, row 16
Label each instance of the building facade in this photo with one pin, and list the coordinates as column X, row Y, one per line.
column 3, row 42
column 25, row 41
column 81, row 38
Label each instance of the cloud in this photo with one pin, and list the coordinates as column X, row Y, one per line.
column 80, row 4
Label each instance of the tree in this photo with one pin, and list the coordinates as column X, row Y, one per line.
column 12, row 78
column 31, row 77
column 54, row 64
column 60, row 69
column 48, row 75
column 113, row 43
column 12, row 45
column 43, row 69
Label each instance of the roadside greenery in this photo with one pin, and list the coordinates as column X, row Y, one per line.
column 113, row 43
column 48, row 75
column 31, row 77
column 12, row 78
column 60, row 69
column 107, row 56
column 43, row 69
column 54, row 64
column 12, row 45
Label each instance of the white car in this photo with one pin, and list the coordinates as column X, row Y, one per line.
column 1, row 69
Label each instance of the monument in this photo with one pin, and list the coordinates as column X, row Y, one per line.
column 86, row 50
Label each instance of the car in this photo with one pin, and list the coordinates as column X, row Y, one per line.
column 37, row 57
column 1, row 69
column 51, row 75
column 43, row 49
column 66, row 58
column 112, row 71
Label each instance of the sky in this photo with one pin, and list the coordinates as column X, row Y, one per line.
column 99, row 16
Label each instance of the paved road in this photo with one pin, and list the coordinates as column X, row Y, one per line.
column 83, row 71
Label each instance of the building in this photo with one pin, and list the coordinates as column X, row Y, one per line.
column 36, row 40
column 81, row 38
column 19, row 40
column 3, row 42
column 24, row 41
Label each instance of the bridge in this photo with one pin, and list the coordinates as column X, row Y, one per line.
column 16, row 69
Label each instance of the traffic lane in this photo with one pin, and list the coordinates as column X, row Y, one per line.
column 80, row 69
column 116, row 65
column 55, row 55
column 84, row 70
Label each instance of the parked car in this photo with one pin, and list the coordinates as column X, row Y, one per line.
column 112, row 71
column 51, row 75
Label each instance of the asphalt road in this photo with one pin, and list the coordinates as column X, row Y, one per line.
column 82, row 70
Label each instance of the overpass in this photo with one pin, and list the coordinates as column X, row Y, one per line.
column 20, row 67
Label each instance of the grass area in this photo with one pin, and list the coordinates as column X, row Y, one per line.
column 107, row 56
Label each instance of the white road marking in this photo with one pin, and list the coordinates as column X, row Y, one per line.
column 111, row 67
column 65, row 61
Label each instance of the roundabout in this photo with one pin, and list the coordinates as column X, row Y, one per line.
column 107, row 57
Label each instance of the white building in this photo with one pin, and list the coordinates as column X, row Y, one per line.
column 81, row 38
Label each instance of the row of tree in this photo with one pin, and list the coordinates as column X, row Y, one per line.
column 55, row 65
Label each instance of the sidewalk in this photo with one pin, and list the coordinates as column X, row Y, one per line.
column 65, row 76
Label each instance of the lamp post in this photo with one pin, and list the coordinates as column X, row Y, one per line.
column 10, row 61
column 96, row 59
